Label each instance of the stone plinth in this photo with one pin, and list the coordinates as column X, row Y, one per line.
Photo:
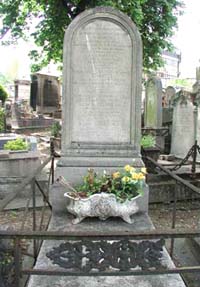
column 19, row 164
column 62, row 222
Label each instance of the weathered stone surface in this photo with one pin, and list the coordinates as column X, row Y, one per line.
column 102, row 87
column 63, row 223
column 19, row 164
column 170, row 93
column 45, row 93
column 183, row 126
column 153, row 103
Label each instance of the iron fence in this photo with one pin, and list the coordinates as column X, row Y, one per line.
column 123, row 237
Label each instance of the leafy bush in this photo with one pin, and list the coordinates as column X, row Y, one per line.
column 55, row 129
column 3, row 94
column 18, row 144
column 2, row 117
column 148, row 141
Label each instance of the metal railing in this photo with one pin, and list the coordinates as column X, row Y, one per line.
column 178, row 181
column 38, row 236
column 100, row 237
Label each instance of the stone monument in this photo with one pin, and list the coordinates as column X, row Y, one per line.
column 153, row 103
column 101, row 129
column 170, row 93
column 183, row 125
column 101, row 94
column 45, row 93
column 22, row 90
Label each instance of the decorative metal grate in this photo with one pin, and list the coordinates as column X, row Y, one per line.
column 122, row 255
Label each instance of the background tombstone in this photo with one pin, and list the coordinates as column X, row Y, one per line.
column 183, row 125
column 45, row 93
column 196, row 98
column 101, row 93
column 153, row 103
column 170, row 93
column 22, row 90
column 153, row 108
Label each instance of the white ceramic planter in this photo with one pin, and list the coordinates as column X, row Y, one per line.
column 102, row 205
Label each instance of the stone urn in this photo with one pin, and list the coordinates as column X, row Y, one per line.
column 102, row 205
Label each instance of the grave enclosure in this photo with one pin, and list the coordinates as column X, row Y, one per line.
column 101, row 130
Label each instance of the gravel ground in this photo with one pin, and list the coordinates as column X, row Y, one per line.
column 14, row 218
column 187, row 216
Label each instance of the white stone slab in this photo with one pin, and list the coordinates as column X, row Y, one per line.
column 182, row 128
column 153, row 103
column 102, row 85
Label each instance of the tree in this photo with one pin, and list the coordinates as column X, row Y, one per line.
column 155, row 20
column 3, row 94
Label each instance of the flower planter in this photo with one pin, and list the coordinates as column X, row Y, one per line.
column 106, row 195
column 101, row 205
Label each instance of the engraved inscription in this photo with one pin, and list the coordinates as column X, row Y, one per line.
column 101, row 83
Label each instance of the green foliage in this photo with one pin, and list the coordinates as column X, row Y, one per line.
column 3, row 94
column 55, row 129
column 18, row 144
column 155, row 20
column 125, row 184
column 182, row 83
column 148, row 141
column 2, row 120
column 4, row 79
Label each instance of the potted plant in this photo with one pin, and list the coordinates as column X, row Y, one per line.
column 56, row 134
column 149, row 148
column 106, row 195
column 16, row 145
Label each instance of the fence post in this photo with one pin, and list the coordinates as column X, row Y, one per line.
column 194, row 158
column 17, row 262
column 34, row 217
column 173, row 218
column 52, row 159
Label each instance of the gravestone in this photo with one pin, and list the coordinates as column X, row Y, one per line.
column 45, row 93
column 101, row 129
column 170, row 93
column 183, row 125
column 22, row 90
column 153, row 103
column 101, row 94
column 153, row 108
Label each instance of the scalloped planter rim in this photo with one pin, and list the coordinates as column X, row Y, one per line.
column 102, row 205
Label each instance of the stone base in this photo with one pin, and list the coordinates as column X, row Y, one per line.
column 74, row 168
column 63, row 223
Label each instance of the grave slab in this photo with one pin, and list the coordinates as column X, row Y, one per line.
column 62, row 222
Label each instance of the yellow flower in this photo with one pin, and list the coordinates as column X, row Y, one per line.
column 132, row 170
column 141, row 175
column 129, row 168
column 116, row 174
column 144, row 170
column 126, row 179
column 134, row 176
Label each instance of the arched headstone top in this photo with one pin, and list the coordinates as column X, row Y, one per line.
column 105, row 13
column 181, row 97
